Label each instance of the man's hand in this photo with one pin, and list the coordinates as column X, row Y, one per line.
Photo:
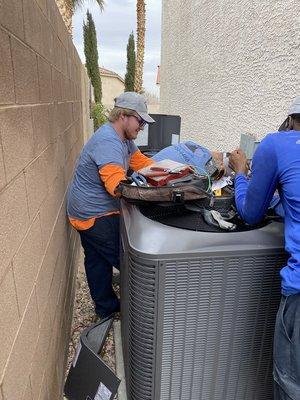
column 218, row 159
column 238, row 162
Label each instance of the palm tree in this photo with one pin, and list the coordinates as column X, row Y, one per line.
column 67, row 8
column 141, row 28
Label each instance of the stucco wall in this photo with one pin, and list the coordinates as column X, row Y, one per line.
column 40, row 138
column 229, row 67
column 153, row 108
column 111, row 88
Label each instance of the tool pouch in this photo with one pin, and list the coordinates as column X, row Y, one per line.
column 191, row 188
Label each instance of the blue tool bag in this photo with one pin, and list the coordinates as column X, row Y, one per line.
column 189, row 153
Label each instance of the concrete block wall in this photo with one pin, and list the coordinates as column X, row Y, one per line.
column 87, row 99
column 41, row 134
column 229, row 67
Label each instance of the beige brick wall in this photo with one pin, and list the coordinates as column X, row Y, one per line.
column 87, row 98
column 41, row 134
column 229, row 67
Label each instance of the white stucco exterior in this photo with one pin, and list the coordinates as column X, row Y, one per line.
column 229, row 67
column 112, row 87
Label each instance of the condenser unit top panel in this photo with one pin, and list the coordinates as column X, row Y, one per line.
column 155, row 240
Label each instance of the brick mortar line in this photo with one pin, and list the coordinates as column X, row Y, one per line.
column 2, row 157
column 26, row 233
column 8, row 183
column 10, row 264
column 25, row 105
column 12, row 35
column 15, row 338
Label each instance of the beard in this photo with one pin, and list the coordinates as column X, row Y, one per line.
column 131, row 134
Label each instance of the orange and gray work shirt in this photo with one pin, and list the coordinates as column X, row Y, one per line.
column 102, row 165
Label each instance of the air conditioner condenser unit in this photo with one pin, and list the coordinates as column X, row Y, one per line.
column 198, row 310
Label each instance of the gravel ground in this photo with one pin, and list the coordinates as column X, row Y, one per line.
column 84, row 316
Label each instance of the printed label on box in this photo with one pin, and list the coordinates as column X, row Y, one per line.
column 103, row 393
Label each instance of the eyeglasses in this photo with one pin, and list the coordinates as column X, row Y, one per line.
column 141, row 121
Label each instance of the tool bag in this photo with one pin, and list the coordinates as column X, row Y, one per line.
column 190, row 188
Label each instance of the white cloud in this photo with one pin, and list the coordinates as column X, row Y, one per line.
column 113, row 27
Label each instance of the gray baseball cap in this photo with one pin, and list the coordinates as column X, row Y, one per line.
column 294, row 109
column 136, row 102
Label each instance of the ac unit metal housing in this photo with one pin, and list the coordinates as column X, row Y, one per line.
column 198, row 310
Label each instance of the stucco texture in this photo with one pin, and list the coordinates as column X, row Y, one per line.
column 112, row 87
column 229, row 67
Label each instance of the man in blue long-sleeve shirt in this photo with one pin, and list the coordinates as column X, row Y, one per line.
column 276, row 165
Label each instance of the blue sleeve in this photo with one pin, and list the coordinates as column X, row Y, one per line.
column 169, row 153
column 279, row 210
column 276, row 205
column 253, row 196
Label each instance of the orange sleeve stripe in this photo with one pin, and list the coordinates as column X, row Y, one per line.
column 88, row 223
column 111, row 175
column 139, row 160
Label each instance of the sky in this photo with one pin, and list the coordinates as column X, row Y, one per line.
column 113, row 27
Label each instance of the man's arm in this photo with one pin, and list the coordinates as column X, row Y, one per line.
column 111, row 175
column 108, row 156
column 139, row 160
column 253, row 196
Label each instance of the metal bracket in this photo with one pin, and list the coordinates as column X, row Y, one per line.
column 178, row 196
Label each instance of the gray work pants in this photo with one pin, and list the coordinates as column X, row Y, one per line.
column 286, row 351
